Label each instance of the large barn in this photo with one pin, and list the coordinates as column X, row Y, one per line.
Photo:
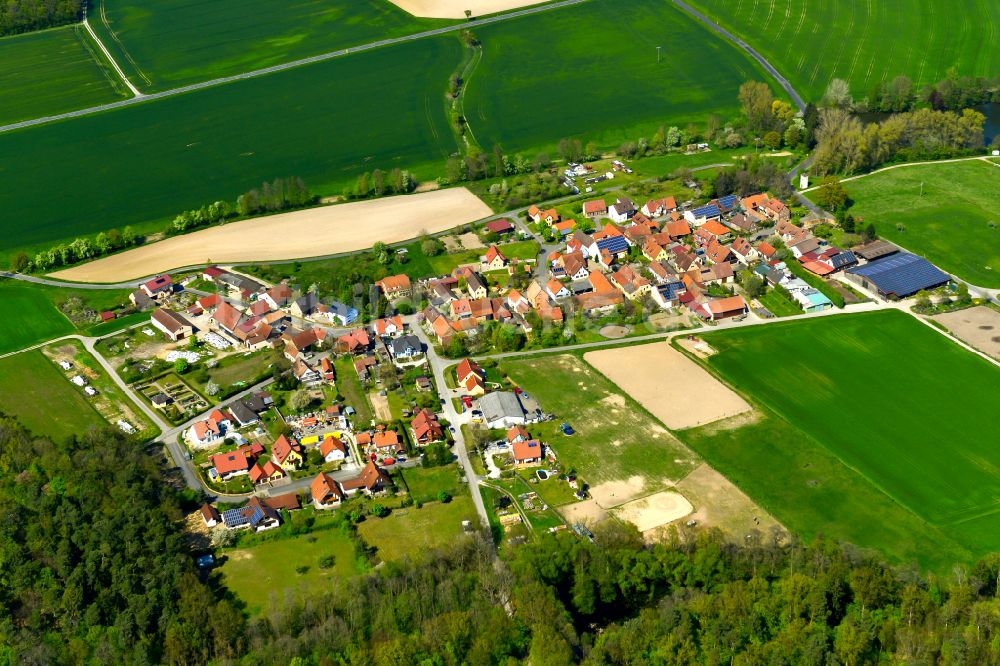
column 898, row 276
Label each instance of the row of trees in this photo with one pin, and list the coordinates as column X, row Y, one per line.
column 18, row 16
column 845, row 145
column 80, row 249
column 271, row 197
column 378, row 183
column 952, row 93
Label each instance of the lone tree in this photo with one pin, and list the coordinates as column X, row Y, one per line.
column 468, row 14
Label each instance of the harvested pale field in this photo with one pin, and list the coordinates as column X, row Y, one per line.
column 978, row 326
column 672, row 387
column 296, row 235
column 455, row 9
column 718, row 503
column 655, row 510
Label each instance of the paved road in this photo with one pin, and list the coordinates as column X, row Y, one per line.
column 437, row 367
column 782, row 81
column 288, row 65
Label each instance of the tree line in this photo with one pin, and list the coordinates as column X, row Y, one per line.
column 378, row 183
column 80, row 249
column 271, row 197
column 17, row 16
column 844, row 144
column 952, row 93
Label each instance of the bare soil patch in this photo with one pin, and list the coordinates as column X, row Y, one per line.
column 614, row 493
column 588, row 512
column 455, row 9
column 380, row 404
column 674, row 389
column 718, row 503
column 656, row 510
column 296, row 235
column 978, row 326
column 614, row 332
column 470, row 241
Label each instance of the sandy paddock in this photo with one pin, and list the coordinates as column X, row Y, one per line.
column 613, row 493
column 296, row 235
column 674, row 389
column 721, row 504
column 978, row 326
column 455, row 9
column 655, row 510
column 588, row 512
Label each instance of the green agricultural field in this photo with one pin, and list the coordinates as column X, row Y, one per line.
column 811, row 43
column 875, row 430
column 410, row 532
column 615, row 438
column 33, row 314
column 267, row 569
column 590, row 72
column 163, row 44
column 955, row 223
column 145, row 163
column 53, row 71
column 34, row 390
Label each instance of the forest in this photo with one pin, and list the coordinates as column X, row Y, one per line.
column 18, row 16
column 96, row 569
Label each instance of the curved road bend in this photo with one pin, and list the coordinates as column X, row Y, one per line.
column 782, row 81
column 289, row 65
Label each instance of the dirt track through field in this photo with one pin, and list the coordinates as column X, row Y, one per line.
column 455, row 9
column 296, row 235
column 672, row 387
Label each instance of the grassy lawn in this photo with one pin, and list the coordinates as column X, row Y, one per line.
column 52, row 71
column 32, row 311
column 241, row 368
column 163, row 44
column 350, row 388
column 34, row 390
column 812, row 43
column 779, row 305
column 410, row 532
column 949, row 224
column 916, row 444
column 426, row 483
column 185, row 151
column 258, row 572
column 444, row 264
column 107, row 327
column 615, row 438
column 590, row 53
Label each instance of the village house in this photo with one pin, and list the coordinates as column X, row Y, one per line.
column 395, row 286
column 538, row 215
column 622, row 210
column 277, row 296
column 527, row 452
column 630, row 282
column 499, row 227
column 171, row 323
column 372, row 481
column 471, row 377
column 255, row 515
column 702, row 214
column 720, row 308
column 595, row 209
column 209, row 431
column 426, row 428
column 210, row 515
column 355, row 342
column 658, row 207
column 266, row 473
column 667, row 295
column 227, row 317
column 235, row 463
column 333, row 449
column 662, row 272
column 494, row 259
column 388, row 327
column 287, row 454
column 387, row 442
column 161, row 284
column 405, row 347
column 326, row 492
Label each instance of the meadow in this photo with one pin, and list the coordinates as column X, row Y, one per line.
column 954, row 223
column 812, row 43
column 162, row 44
column 53, row 71
column 33, row 314
column 410, row 532
column 615, row 438
column 266, row 570
column 909, row 469
column 146, row 163
column 591, row 72
column 34, row 390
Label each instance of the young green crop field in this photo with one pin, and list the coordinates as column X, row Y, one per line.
column 615, row 438
column 53, row 71
column 591, row 72
column 162, row 44
column 811, row 43
column 875, row 430
column 34, row 390
column 325, row 123
column 955, row 223
column 33, row 314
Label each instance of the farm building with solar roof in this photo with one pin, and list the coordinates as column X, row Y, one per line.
column 898, row 276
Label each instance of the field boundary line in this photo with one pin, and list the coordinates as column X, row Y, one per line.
column 292, row 64
column 107, row 54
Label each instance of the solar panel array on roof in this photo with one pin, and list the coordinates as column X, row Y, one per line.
column 845, row 258
column 710, row 210
column 670, row 290
column 902, row 274
column 613, row 244
column 727, row 202
column 234, row 517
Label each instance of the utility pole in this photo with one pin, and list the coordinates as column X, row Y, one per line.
column 658, row 53
column 921, row 188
